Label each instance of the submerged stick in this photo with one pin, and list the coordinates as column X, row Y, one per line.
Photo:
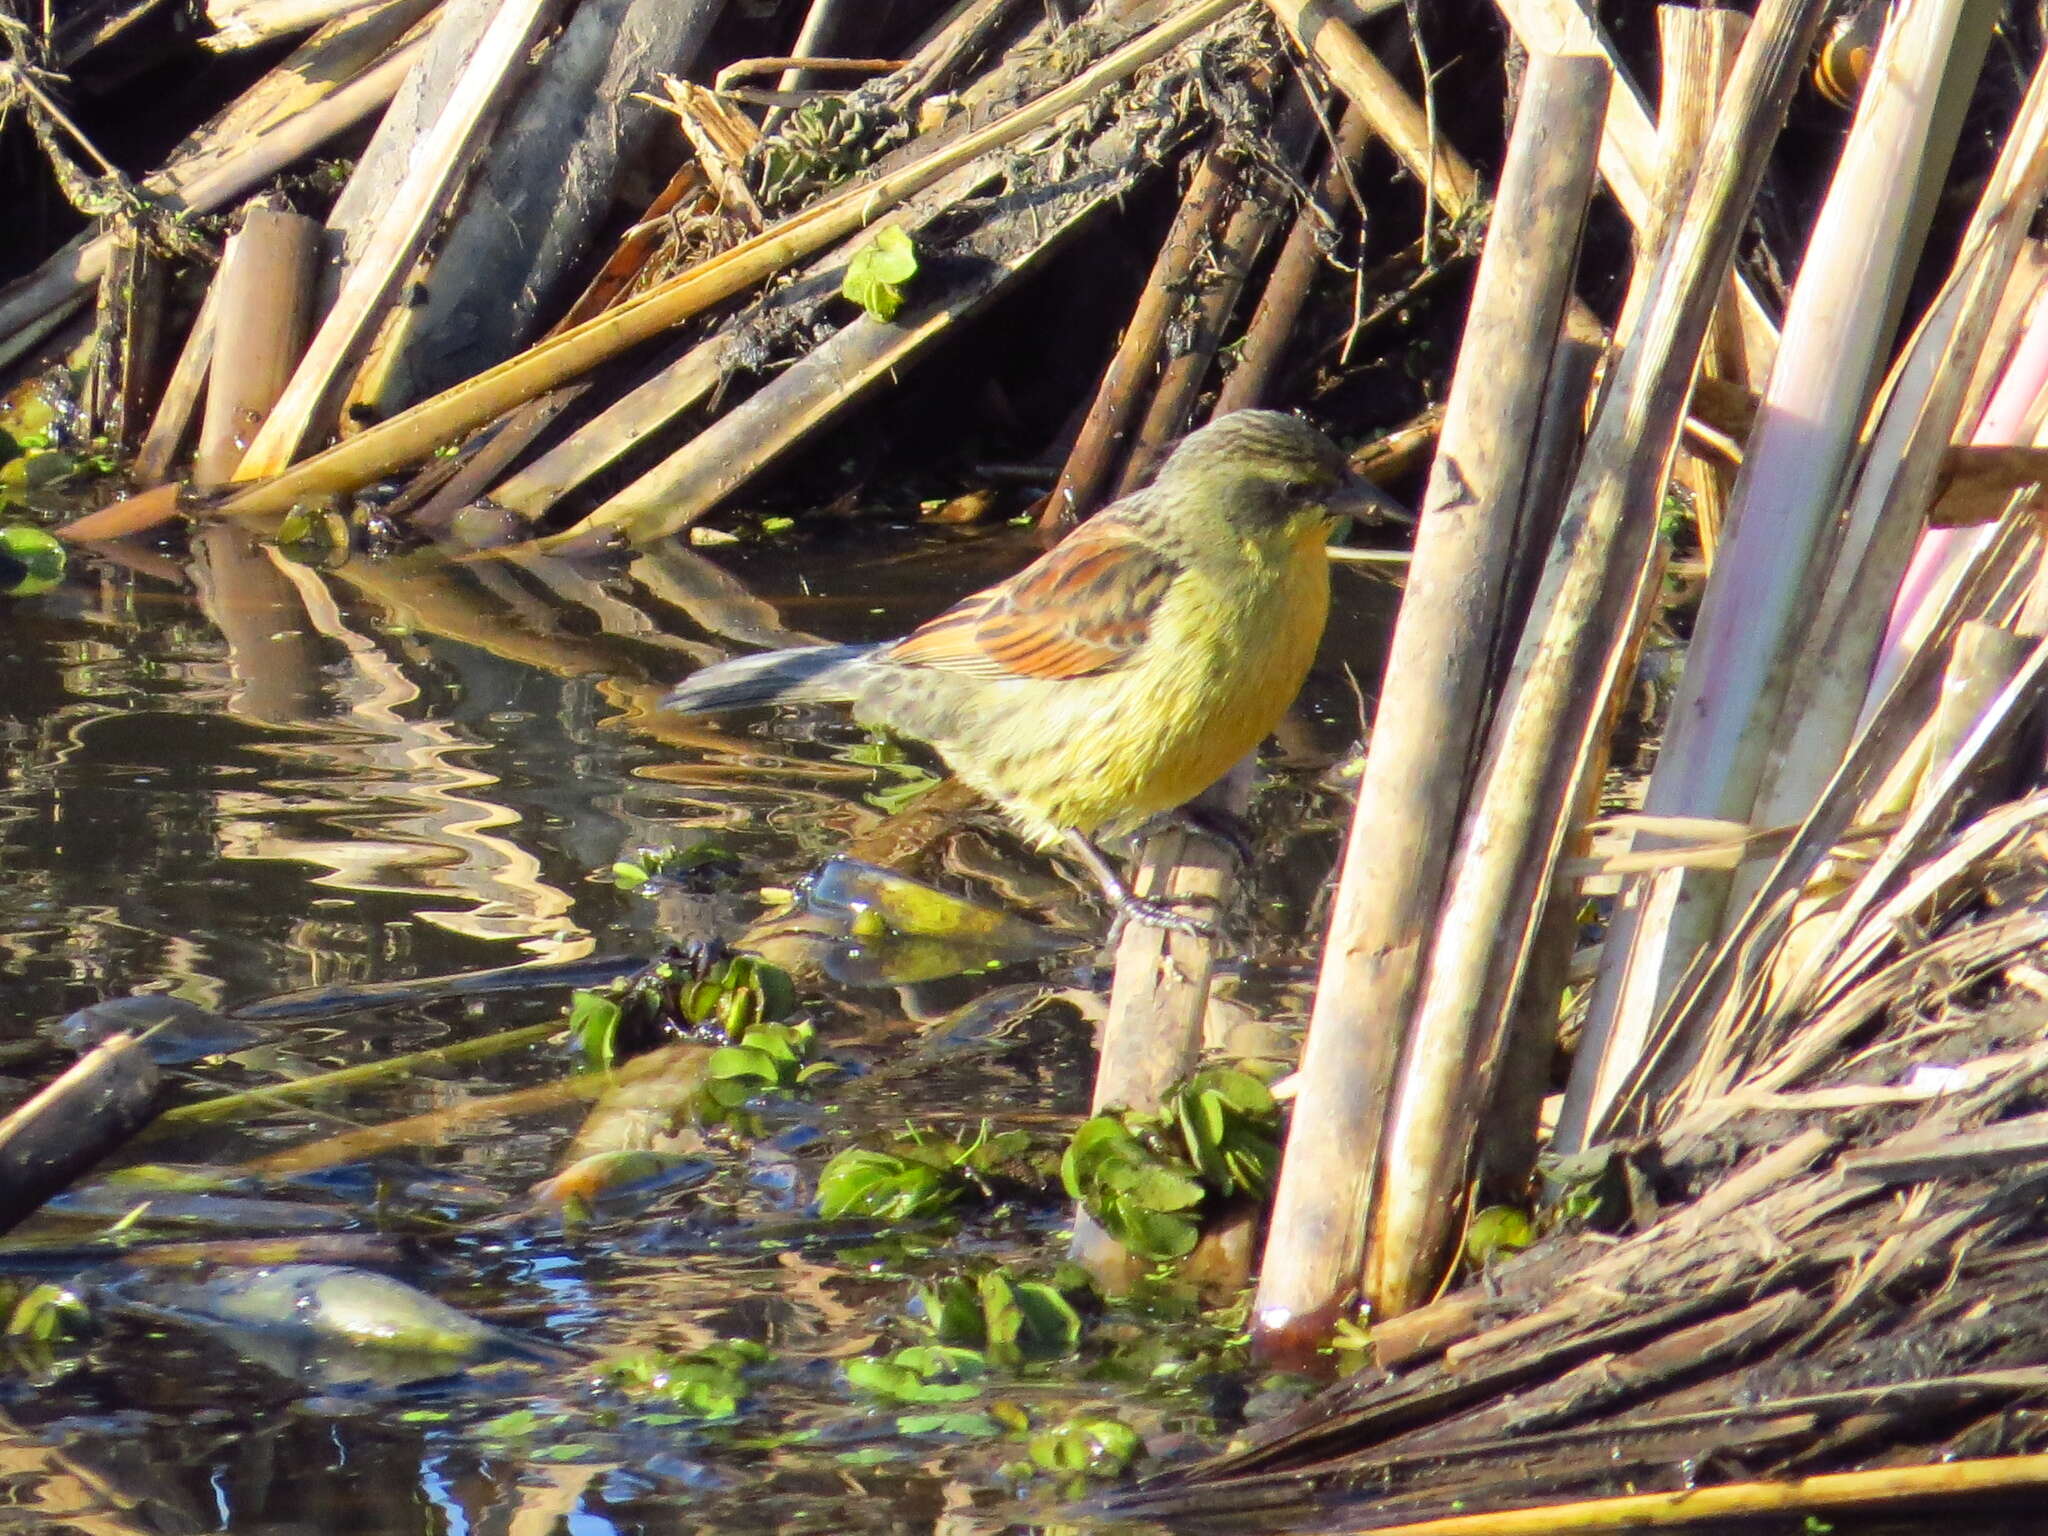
column 1431, row 709
column 1561, row 677
column 100, row 1101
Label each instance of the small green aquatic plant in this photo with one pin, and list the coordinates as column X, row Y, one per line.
column 879, row 271
column 1009, row 1319
column 1151, row 1178
column 921, row 1172
column 680, row 996
column 708, row 1384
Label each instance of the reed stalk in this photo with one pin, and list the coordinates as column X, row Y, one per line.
column 1561, row 678
column 1757, row 608
column 1431, row 709
column 264, row 310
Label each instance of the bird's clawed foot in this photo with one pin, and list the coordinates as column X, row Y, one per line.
column 1132, row 908
column 1158, row 914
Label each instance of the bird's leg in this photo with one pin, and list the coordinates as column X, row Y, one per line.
column 1131, row 908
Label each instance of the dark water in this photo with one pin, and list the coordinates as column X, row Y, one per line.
column 229, row 777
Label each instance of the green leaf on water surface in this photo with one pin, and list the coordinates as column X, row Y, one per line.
column 1095, row 1446
column 32, row 561
column 594, row 1028
column 859, row 1182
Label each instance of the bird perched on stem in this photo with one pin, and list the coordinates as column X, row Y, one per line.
column 1126, row 669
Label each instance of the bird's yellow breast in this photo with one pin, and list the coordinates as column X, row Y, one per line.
column 1228, row 649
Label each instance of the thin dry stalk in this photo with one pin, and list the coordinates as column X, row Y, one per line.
column 1100, row 442
column 265, row 299
column 179, row 401
column 1369, row 86
column 1453, row 624
column 1561, row 679
column 413, row 435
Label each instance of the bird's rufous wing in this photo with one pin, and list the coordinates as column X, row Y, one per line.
column 1085, row 606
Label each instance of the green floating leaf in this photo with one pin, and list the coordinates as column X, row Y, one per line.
column 46, row 1313
column 859, row 1182
column 921, row 1374
column 594, row 1028
column 31, row 561
column 708, row 1384
column 876, row 276
column 1097, row 1447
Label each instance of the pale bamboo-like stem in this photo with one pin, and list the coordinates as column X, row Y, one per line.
column 1431, row 708
column 1698, row 49
column 442, row 157
column 249, row 23
column 1630, row 161
column 214, row 177
column 1864, row 244
column 358, row 206
column 414, row 434
column 498, row 260
column 1395, row 116
column 1518, row 823
column 1909, row 453
column 179, row 401
column 265, row 288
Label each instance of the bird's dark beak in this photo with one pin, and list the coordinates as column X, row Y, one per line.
column 1360, row 500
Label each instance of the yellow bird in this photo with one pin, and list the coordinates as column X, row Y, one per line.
column 1125, row 670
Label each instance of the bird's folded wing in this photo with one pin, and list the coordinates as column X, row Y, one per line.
column 1085, row 606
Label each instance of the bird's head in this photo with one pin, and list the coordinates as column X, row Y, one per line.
column 1264, row 473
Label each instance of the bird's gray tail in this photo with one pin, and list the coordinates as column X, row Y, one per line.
column 811, row 672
